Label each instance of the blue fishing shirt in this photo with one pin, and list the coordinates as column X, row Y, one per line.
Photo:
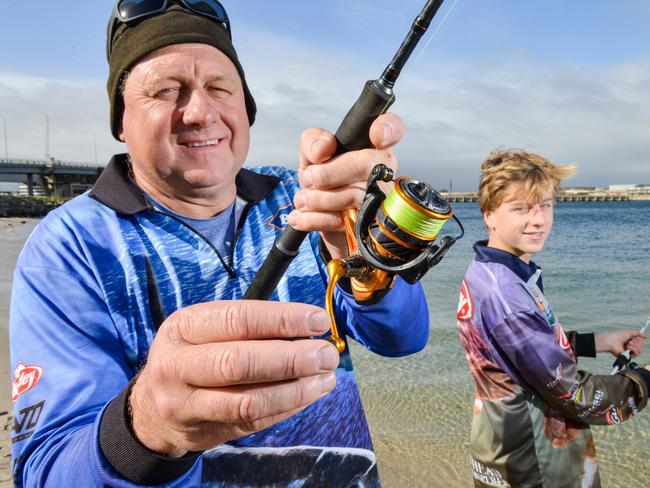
column 95, row 281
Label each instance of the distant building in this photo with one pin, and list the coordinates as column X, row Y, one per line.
column 577, row 189
column 37, row 190
column 639, row 190
column 621, row 187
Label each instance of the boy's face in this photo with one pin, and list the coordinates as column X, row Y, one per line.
column 517, row 226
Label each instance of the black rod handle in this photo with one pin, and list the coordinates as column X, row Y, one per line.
column 284, row 249
column 353, row 133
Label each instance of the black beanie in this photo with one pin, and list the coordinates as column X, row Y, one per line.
column 174, row 26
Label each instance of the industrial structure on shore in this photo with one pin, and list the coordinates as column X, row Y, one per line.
column 62, row 180
column 51, row 178
column 613, row 193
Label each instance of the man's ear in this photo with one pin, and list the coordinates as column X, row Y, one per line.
column 120, row 133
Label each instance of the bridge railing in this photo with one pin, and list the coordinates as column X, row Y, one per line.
column 44, row 162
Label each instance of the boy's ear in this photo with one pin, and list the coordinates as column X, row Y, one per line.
column 488, row 219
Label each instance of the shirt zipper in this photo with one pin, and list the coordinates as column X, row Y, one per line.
column 229, row 268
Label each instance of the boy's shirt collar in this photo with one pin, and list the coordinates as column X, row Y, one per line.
column 486, row 254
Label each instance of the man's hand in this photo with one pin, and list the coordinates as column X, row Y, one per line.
column 618, row 341
column 222, row 370
column 331, row 183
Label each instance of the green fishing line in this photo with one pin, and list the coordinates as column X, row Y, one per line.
column 409, row 219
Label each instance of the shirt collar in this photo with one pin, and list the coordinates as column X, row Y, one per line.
column 117, row 191
column 486, row 254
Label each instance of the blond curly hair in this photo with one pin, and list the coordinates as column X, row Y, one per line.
column 502, row 167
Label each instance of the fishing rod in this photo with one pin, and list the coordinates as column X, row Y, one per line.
column 623, row 359
column 353, row 133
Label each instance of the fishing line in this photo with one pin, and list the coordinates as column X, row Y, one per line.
column 435, row 31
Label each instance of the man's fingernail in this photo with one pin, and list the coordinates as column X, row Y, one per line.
column 327, row 382
column 328, row 358
column 388, row 133
column 316, row 148
column 318, row 322
column 299, row 200
column 292, row 219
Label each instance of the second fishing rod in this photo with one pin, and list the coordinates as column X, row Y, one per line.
column 353, row 133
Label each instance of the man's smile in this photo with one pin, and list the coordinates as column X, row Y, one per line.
column 211, row 142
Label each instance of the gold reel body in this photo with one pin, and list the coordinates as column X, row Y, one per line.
column 402, row 230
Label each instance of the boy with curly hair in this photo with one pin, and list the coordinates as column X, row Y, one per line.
column 533, row 406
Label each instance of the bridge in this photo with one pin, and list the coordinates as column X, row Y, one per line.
column 57, row 178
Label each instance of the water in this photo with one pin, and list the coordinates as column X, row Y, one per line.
column 596, row 276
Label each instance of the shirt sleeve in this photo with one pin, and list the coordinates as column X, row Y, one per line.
column 66, row 350
column 398, row 325
column 395, row 325
column 583, row 345
column 540, row 357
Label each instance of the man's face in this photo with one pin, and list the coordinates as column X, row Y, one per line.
column 185, row 122
column 517, row 226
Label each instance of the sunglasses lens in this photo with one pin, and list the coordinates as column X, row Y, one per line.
column 211, row 8
column 132, row 9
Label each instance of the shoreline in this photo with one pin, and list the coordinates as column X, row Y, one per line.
column 14, row 231
column 419, row 407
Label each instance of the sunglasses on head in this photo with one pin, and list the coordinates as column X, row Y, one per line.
column 127, row 11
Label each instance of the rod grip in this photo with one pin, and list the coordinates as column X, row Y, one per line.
column 621, row 361
column 284, row 249
column 353, row 133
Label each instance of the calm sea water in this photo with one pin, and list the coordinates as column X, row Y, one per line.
column 596, row 268
column 597, row 277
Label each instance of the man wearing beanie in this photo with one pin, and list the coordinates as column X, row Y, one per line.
column 136, row 361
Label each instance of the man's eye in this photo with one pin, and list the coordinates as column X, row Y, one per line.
column 166, row 91
column 219, row 89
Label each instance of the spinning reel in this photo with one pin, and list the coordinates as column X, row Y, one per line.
column 392, row 235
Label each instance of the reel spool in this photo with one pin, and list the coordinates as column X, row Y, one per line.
column 394, row 235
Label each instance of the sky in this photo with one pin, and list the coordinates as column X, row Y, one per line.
column 569, row 80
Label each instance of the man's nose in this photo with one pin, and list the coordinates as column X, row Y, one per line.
column 200, row 110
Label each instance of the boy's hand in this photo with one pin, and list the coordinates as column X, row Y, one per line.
column 616, row 342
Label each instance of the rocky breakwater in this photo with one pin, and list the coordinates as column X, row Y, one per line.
column 14, row 206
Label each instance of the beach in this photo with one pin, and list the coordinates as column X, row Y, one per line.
column 596, row 267
column 13, row 234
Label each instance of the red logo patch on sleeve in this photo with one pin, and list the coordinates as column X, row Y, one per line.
column 465, row 305
column 562, row 339
column 25, row 378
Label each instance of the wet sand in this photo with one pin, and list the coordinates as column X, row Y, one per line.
column 13, row 233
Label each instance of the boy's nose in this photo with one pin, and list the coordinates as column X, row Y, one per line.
column 537, row 217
